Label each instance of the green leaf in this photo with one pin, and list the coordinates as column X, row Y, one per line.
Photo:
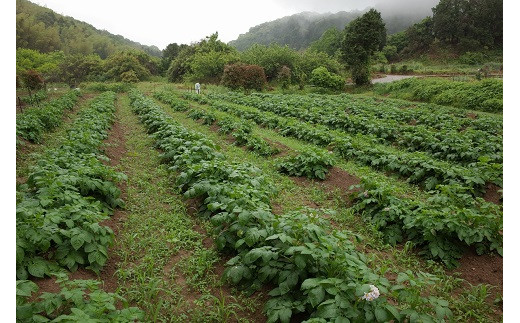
column 381, row 314
column 284, row 315
column 77, row 241
column 316, row 295
column 299, row 260
column 37, row 268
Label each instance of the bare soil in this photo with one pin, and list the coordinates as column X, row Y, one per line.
column 492, row 194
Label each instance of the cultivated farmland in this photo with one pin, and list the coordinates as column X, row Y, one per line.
column 159, row 204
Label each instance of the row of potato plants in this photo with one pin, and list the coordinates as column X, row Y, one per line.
column 405, row 112
column 446, row 224
column 239, row 130
column 311, row 162
column 311, row 268
column 465, row 147
column 67, row 194
column 35, row 121
column 35, row 98
column 417, row 167
column 77, row 301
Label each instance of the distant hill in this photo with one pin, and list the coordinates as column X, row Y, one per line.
column 42, row 29
column 300, row 30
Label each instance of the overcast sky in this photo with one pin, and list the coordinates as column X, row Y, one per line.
column 160, row 22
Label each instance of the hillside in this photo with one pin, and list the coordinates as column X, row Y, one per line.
column 42, row 29
column 300, row 30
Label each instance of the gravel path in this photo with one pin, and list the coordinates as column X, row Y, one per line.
column 391, row 78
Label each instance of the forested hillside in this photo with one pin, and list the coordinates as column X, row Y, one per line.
column 300, row 30
column 44, row 30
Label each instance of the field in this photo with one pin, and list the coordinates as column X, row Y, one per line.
column 153, row 203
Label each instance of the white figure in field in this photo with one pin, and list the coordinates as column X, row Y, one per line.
column 197, row 87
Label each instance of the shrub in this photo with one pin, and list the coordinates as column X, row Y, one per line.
column 472, row 58
column 245, row 76
column 284, row 77
column 323, row 78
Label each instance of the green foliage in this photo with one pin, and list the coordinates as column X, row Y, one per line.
column 483, row 95
column 34, row 98
column 284, row 77
column 451, row 185
column 67, row 194
column 180, row 65
column 472, row 25
column 420, row 36
column 77, row 301
column 126, row 64
column 44, row 30
column 311, row 163
column 104, row 86
column 244, row 76
column 316, row 30
column 329, row 42
column 362, row 37
column 321, row 77
column 310, row 60
column 271, row 58
column 75, row 69
column 32, row 80
column 32, row 123
column 209, row 66
column 45, row 64
column 315, row 270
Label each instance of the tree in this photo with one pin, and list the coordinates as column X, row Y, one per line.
column 75, row 69
column 169, row 54
column 362, row 37
column 420, row 36
column 284, row 77
column 32, row 80
column 119, row 64
column 271, row 58
column 329, row 42
column 244, row 76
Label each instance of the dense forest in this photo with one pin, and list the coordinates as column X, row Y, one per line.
column 44, row 30
column 300, row 30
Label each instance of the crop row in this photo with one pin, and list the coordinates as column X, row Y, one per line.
column 443, row 225
column 486, row 95
column 416, row 167
column 468, row 146
column 67, row 194
column 314, row 269
column 240, row 131
column 405, row 112
column 32, row 123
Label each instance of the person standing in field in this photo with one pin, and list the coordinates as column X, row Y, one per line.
column 197, row 88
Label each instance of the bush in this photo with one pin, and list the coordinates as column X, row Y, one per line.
column 244, row 76
column 472, row 58
column 321, row 77
column 284, row 77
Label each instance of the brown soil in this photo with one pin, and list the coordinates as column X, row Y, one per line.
column 284, row 150
column 492, row 194
column 472, row 116
column 484, row 269
column 115, row 150
column 412, row 122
